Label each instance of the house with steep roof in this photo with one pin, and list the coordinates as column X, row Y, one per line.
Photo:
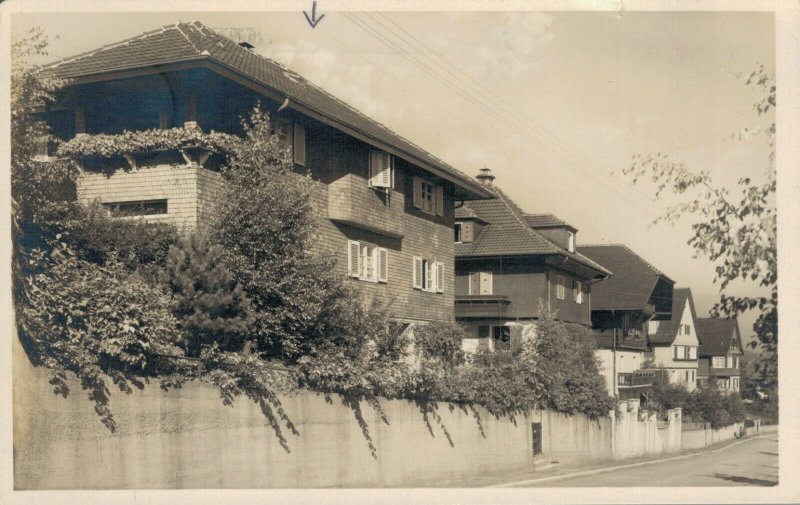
column 386, row 207
column 721, row 353
column 508, row 262
column 622, row 305
column 674, row 342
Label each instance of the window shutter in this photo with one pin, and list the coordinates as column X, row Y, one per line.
column 299, row 144
column 439, row 277
column 439, row 192
column 353, row 258
column 475, row 283
column 417, row 279
column 383, row 264
column 380, row 169
column 417, row 196
column 675, row 352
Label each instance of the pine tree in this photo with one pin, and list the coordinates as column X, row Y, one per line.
column 210, row 305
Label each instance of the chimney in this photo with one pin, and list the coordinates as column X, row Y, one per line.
column 485, row 176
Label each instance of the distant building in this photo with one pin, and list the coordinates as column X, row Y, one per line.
column 622, row 305
column 720, row 353
column 508, row 262
column 674, row 341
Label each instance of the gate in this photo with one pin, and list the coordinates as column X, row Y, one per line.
column 536, row 429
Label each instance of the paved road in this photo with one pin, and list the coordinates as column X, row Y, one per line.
column 752, row 462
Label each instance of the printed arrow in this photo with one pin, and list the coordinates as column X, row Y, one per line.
column 313, row 20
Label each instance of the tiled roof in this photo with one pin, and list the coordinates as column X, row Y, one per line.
column 508, row 233
column 668, row 329
column 633, row 281
column 715, row 334
column 182, row 42
column 545, row 221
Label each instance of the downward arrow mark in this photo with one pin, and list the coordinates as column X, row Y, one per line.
column 313, row 20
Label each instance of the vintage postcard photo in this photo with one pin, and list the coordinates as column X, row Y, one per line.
column 310, row 245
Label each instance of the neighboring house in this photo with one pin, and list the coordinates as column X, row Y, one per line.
column 508, row 262
column 385, row 206
column 622, row 305
column 674, row 342
column 721, row 353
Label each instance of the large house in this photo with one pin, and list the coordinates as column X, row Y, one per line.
column 674, row 341
column 720, row 353
column 622, row 305
column 385, row 206
column 508, row 262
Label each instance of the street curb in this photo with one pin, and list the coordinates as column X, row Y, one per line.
column 630, row 465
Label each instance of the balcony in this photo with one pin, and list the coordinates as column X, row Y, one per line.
column 481, row 306
column 639, row 378
column 352, row 202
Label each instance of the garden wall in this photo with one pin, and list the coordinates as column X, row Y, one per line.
column 187, row 438
column 695, row 439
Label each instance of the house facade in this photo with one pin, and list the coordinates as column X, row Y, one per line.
column 386, row 207
column 622, row 306
column 674, row 344
column 509, row 262
column 720, row 353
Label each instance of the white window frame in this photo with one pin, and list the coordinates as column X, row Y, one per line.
column 560, row 287
column 429, row 273
column 577, row 292
column 458, row 229
column 715, row 361
column 367, row 262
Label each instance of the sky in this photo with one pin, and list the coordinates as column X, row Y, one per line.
column 554, row 103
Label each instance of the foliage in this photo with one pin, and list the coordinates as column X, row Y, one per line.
column 143, row 141
column 706, row 404
column 99, row 322
column 138, row 244
column 735, row 229
column 206, row 299
column 440, row 340
column 568, row 370
column 266, row 226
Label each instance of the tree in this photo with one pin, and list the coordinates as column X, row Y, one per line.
column 210, row 305
column 736, row 229
column 266, row 225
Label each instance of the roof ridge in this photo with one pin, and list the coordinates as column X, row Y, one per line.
column 503, row 197
column 92, row 52
column 656, row 270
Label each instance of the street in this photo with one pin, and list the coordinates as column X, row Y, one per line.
column 752, row 462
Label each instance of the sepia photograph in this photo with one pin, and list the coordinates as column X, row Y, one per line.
column 323, row 245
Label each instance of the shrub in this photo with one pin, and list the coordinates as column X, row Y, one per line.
column 94, row 235
column 440, row 340
column 568, row 370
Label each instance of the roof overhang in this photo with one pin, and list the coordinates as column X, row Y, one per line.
column 466, row 187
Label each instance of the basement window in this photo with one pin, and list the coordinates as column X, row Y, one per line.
column 137, row 208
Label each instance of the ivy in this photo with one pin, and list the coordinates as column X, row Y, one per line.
column 144, row 141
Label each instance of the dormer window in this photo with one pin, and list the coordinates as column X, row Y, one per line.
column 571, row 241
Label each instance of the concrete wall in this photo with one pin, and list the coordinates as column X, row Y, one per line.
column 640, row 433
column 696, row 439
